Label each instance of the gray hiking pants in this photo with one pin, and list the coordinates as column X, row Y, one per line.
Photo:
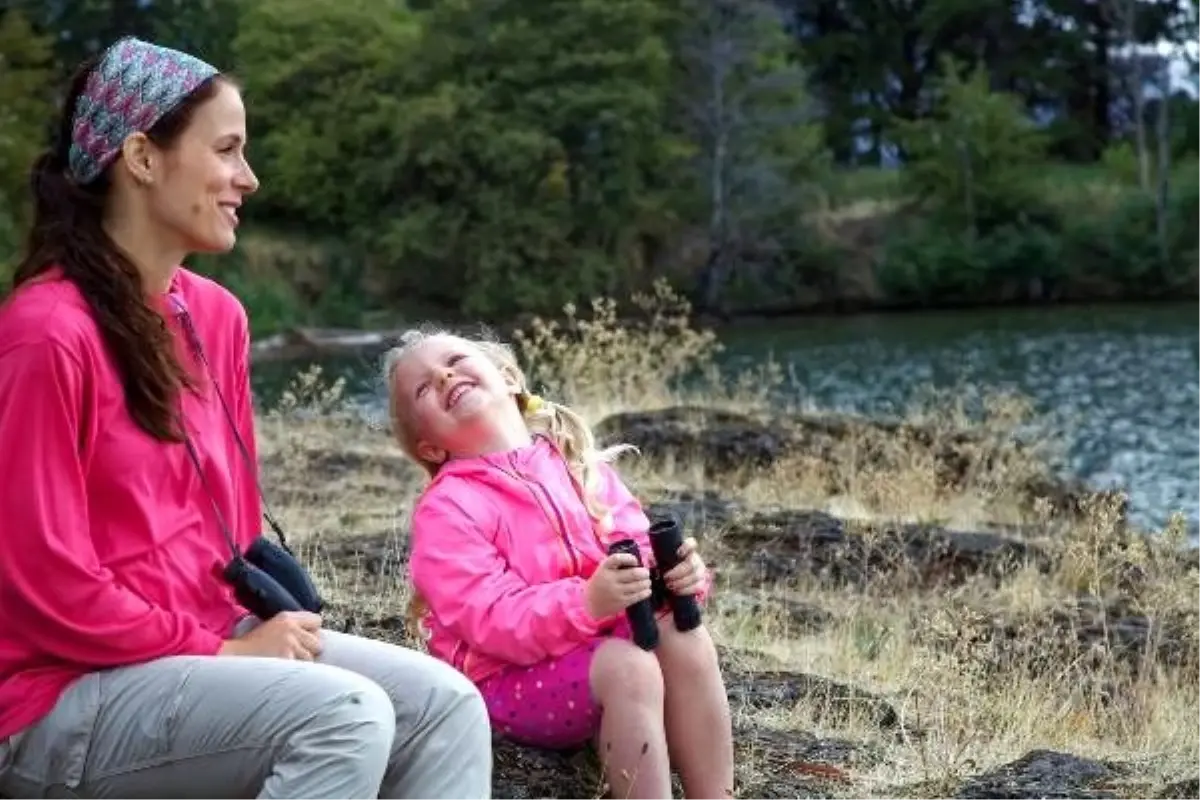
column 368, row 719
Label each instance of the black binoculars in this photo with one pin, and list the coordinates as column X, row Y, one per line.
column 268, row 580
column 666, row 537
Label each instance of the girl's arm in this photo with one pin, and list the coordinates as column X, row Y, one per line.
column 467, row 584
column 629, row 519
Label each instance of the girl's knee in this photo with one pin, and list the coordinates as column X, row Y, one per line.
column 622, row 670
column 695, row 646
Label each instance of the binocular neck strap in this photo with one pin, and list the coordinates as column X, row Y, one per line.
column 195, row 457
column 193, row 339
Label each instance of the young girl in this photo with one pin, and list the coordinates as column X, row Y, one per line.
column 509, row 559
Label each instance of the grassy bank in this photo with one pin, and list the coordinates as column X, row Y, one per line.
column 972, row 666
column 866, row 245
column 510, row 163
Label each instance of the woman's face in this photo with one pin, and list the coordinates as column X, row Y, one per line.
column 204, row 176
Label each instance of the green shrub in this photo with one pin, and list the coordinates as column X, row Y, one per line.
column 924, row 263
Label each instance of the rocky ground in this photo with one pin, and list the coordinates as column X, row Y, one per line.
column 904, row 611
column 1024, row 644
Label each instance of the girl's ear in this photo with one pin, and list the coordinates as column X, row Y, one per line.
column 430, row 454
column 511, row 382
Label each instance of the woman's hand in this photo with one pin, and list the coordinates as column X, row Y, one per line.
column 292, row 635
column 617, row 584
column 688, row 576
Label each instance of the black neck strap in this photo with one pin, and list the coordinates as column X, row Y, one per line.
column 193, row 340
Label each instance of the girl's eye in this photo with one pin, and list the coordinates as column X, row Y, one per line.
column 454, row 359
column 421, row 389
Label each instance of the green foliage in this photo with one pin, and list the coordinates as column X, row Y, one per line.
column 875, row 61
column 1122, row 248
column 1066, row 254
column 492, row 158
column 10, row 245
column 760, row 156
column 504, row 154
column 924, row 264
column 25, row 112
column 969, row 160
column 532, row 148
column 323, row 80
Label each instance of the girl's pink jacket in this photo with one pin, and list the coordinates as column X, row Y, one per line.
column 502, row 547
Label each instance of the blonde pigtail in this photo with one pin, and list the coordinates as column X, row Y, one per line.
column 575, row 440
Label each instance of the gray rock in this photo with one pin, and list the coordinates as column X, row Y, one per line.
column 1045, row 774
column 784, row 543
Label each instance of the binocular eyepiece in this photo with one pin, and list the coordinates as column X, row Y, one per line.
column 666, row 537
column 268, row 580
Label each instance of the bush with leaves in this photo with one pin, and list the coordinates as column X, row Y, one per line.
column 25, row 107
column 969, row 161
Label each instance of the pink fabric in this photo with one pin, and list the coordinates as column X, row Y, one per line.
column 549, row 704
column 108, row 542
column 502, row 547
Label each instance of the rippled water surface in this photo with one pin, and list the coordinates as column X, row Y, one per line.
column 1126, row 378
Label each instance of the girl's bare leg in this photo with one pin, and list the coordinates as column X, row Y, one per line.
column 628, row 685
column 699, row 726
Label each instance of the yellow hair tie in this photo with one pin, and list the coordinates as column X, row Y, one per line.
column 531, row 404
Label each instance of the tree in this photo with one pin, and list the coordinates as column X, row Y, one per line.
column 26, row 116
column 758, row 147
column 325, row 82
column 533, row 151
column 971, row 159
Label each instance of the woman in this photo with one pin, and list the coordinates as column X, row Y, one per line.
column 127, row 666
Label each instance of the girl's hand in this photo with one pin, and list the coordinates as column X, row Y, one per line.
column 617, row 584
column 688, row 576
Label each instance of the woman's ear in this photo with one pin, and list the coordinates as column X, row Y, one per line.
column 138, row 158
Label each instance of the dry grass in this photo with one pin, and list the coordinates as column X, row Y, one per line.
column 966, row 703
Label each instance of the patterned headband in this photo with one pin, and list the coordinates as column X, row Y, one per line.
column 132, row 87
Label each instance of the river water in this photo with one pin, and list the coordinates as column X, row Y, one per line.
column 1123, row 380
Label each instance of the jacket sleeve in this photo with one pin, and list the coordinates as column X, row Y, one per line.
column 469, row 588
column 629, row 519
column 250, row 517
column 54, row 593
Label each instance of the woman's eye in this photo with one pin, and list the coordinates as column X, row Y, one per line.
column 455, row 359
column 421, row 389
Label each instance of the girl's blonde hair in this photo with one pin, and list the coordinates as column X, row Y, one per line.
column 569, row 432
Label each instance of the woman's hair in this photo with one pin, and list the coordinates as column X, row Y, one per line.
column 67, row 232
column 568, row 431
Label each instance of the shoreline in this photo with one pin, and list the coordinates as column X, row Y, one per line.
column 332, row 341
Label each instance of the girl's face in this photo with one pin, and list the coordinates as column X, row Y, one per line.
column 452, row 396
